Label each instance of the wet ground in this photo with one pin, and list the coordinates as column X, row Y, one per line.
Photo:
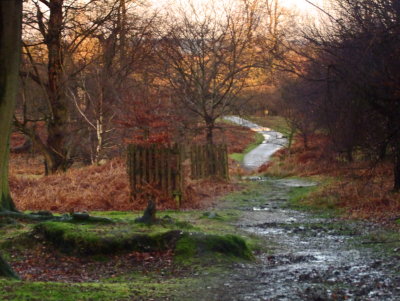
column 306, row 257
column 309, row 257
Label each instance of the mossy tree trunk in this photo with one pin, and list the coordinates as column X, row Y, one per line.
column 10, row 40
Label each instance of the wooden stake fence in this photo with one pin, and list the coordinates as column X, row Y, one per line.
column 155, row 168
column 161, row 169
column 209, row 160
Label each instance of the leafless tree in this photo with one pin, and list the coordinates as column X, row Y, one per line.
column 59, row 29
column 208, row 57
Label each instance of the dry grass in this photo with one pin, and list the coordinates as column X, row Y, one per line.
column 362, row 188
column 236, row 137
column 26, row 165
column 107, row 187
column 102, row 188
column 89, row 188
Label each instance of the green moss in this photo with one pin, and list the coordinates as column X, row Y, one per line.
column 305, row 198
column 298, row 194
column 276, row 123
column 49, row 291
column 383, row 241
column 89, row 239
column 193, row 245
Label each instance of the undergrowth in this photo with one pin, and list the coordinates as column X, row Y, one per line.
column 106, row 187
column 258, row 139
column 359, row 189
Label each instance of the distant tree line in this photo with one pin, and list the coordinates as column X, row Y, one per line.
column 346, row 80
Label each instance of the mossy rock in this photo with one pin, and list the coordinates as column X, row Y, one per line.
column 200, row 245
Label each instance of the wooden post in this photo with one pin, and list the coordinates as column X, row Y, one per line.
column 134, row 171
column 226, row 162
column 162, row 169
column 179, row 173
column 193, row 166
column 157, row 165
column 202, row 161
column 151, row 162
column 169, row 172
column 137, row 167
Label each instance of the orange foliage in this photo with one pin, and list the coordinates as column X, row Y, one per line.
column 362, row 188
column 236, row 137
column 107, row 187
column 101, row 188
column 89, row 188
column 151, row 121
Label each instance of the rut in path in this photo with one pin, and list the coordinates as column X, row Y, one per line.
column 312, row 258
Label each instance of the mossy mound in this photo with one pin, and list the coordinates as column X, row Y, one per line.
column 192, row 245
column 89, row 240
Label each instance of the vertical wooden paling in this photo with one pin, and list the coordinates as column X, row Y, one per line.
column 162, row 169
column 181, row 158
column 202, row 159
column 226, row 162
column 144, row 165
column 157, row 166
column 137, row 167
column 192, row 162
column 151, row 164
column 129, row 168
column 134, row 169
column 169, row 172
column 221, row 161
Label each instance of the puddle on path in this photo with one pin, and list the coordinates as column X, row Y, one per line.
column 313, row 258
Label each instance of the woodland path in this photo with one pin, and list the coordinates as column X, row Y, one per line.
column 273, row 141
column 306, row 257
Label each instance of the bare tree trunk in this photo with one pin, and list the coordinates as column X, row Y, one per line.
column 122, row 25
column 209, row 131
column 57, row 127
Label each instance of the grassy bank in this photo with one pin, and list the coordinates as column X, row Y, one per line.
column 125, row 260
column 359, row 189
column 258, row 139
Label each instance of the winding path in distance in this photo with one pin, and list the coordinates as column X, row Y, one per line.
column 273, row 141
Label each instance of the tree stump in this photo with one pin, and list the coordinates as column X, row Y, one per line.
column 149, row 215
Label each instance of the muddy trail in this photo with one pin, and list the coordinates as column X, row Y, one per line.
column 303, row 256
column 308, row 257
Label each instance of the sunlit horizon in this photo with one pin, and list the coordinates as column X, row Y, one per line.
column 300, row 6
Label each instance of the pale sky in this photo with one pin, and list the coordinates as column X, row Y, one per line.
column 300, row 5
